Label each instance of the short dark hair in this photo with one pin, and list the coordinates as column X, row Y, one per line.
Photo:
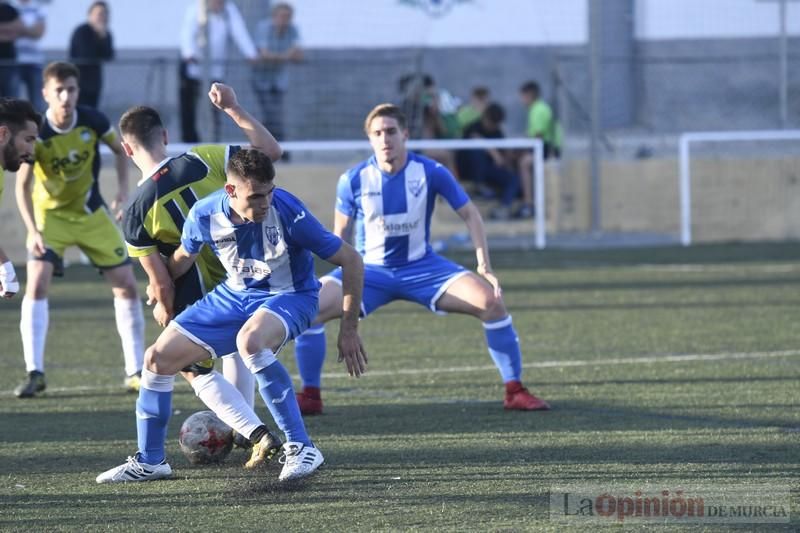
column 142, row 124
column 251, row 164
column 283, row 5
column 480, row 92
column 14, row 113
column 530, row 87
column 495, row 113
column 98, row 3
column 61, row 70
column 385, row 110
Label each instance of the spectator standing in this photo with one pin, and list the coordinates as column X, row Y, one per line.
column 541, row 125
column 11, row 27
column 278, row 42
column 91, row 44
column 541, row 122
column 30, row 57
column 208, row 25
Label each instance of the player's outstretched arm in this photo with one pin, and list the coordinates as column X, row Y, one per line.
column 224, row 97
column 180, row 262
column 477, row 233
column 351, row 349
column 25, row 205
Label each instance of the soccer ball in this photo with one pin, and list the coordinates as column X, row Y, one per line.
column 204, row 438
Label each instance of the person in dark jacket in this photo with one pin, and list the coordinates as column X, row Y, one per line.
column 91, row 44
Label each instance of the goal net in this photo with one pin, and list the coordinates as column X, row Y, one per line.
column 740, row 186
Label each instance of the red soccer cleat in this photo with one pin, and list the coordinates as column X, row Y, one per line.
column 518, row 398
column 310, row 401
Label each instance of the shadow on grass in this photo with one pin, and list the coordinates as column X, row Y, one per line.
column 416, row 420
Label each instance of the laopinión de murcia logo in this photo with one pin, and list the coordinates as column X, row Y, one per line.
column 709, row 504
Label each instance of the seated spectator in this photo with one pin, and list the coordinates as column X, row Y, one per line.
column 436, row 108
column 541, row 125
column 471, row 111
column 490, row 168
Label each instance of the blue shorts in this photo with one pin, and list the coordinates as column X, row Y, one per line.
column 422, row 281
column 214, row 321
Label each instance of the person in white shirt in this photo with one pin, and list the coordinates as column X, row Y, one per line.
column 216, row 21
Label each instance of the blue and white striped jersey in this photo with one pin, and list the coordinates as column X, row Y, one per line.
column 392, row 214
column 273, row 255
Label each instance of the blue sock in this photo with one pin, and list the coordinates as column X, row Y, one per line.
column 153, row 409
column 309, row 350
column 504, row 348
column 275, row 386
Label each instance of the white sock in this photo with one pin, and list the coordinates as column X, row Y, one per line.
column 130, row 326
column 33, row 327
column 236, row 373
column 222, row 397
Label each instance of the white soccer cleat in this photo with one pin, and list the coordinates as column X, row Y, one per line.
column 299, row 461
column 133, row 470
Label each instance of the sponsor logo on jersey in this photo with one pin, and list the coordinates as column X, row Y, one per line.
column 273, row 234
column 230, row 238
column 251, row 268
column 301, row 216
column 70, row 164
column 396, row 228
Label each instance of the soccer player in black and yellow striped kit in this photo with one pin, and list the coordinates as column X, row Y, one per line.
column 153, row 224
column 59, row 199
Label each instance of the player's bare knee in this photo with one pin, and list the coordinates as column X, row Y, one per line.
column 36, row 291
column 156, row 361
column 248, row 341
column 37, row 286
column 125, row 288
column 493, row 308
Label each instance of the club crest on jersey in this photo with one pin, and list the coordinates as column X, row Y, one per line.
column 415, row 184
column 86, row 136
column 272, row 234
column 434, row 8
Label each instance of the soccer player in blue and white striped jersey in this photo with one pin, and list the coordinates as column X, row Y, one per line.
column 389, row 199
column 264, row 238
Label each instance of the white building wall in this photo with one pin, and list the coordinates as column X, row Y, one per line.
column 709, row 19
column 138, row 24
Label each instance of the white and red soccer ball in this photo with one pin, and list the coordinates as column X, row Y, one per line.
column 204, row 438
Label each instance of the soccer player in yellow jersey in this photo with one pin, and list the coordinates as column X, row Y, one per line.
column 60, row 203
column 153, row 223
column 19, row 125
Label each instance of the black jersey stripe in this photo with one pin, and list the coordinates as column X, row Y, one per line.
column 189, row 197
column 175, row 213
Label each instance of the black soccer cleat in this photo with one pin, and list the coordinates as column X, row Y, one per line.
column 32, row 386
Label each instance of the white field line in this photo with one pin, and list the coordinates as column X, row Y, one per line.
column 648, row 360
column 586, row 362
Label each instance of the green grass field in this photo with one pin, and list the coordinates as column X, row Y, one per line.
column 422, row 442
